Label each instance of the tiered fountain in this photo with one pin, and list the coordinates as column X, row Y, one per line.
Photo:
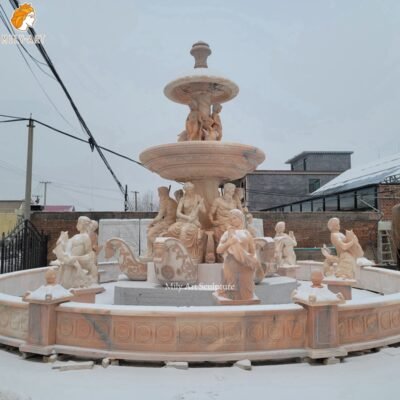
column 206, row 163
column 39, row 316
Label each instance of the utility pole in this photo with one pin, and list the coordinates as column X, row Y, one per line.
column 136, row 194
column 126, row 198
column 45, row 183
column 28, row 180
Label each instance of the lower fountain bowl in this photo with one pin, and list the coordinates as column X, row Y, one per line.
column 197, row 160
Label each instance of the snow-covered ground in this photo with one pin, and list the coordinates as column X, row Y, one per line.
column 372, row 376
column 369, row 376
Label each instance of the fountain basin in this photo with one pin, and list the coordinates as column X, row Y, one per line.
column 201, row 83
column 200, row 160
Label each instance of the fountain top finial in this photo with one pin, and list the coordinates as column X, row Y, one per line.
column 200, row 51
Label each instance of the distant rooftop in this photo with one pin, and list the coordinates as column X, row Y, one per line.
column 383, row 170
column 9, row 206
column 59, row 208
column 307, row 153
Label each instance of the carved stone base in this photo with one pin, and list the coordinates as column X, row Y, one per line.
column 86, row 295
column 223, row 301
column 276, row 290
column 337, row 285
column 108, row 271
column 288, row 270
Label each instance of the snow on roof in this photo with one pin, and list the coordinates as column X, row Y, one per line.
column 311, row 152
column 49, row 208
column 369, row 174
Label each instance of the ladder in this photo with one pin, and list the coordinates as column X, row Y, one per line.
column 385, row 251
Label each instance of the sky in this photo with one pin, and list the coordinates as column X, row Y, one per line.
column 313, row 75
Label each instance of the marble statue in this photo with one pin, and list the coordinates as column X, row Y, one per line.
column 284, row 245
column 178, row 194
column 165, row 218
column 129, row 264
column 194, row 123
column 76, row 257
column 240, row 261
column 94, row 238
column 249, row 224
column 217, row 125
column 187, row 227
column 49, row 291
column 265, row 252
column 239, row 199
column 173, row 264
column 330, row 261
column 201, row 126
column 208, row 131
column 219, row 211
column 347, row 248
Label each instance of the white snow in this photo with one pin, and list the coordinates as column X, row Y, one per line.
column 371, row 173
column 54, row 291
column 367, row 377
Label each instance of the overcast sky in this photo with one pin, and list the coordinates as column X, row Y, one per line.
column 313, row 75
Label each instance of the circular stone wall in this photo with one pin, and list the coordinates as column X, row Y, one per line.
column 223, row 333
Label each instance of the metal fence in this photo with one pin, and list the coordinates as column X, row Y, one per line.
column 24, row 248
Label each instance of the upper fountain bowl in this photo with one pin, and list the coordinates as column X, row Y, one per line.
column 200, row 160
column 201, row 81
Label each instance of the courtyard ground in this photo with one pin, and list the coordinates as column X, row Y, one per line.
column 369, row 376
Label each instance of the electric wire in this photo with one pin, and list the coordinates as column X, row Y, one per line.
column 35, row 76
column 92, row 140
column 17, row 119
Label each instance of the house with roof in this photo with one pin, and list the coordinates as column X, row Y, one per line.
column 367, row 187
column 309, row 170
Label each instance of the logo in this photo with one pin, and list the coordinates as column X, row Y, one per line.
column 23, row 17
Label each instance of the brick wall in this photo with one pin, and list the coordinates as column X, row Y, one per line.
column 388, row 197
column 309, row 228
column 52, row 223
column 311, row 231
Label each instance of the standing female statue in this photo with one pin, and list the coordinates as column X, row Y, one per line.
column 240, row 262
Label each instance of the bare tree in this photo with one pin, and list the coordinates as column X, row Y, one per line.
column 147, row 201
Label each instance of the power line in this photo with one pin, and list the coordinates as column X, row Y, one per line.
column 10, row 29
column 13, row 116
column 92, row 140
column 5, row 21
column 17, row 119
column 13, row 120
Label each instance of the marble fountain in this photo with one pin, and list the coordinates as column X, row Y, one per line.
column 209, row 287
